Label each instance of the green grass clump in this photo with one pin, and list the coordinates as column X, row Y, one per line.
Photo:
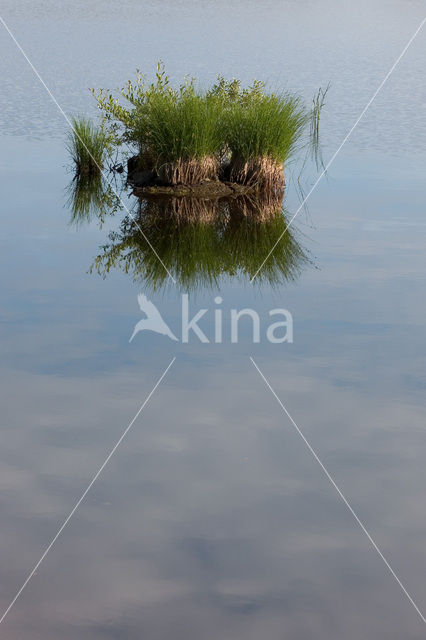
column 181, row 126
column 182, row 133
column 270, row 126
column 176, row 131
column 262, row 134
column 87, row 144
column 188, row 135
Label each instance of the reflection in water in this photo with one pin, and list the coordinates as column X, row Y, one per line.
column 89, row 197
column 198, row 240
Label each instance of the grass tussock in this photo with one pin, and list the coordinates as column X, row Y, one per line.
column 263, row 172
column 179, row 125
column 188, row 135
column 262, row 134
column 189, row 170
column 87, row 145
column 176, row 130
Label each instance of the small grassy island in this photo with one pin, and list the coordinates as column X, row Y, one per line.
column 223, row 141
column 207, row 169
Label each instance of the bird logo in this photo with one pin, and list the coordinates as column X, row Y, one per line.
column 153, row 320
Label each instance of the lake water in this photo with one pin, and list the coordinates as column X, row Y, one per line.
column 213, row 520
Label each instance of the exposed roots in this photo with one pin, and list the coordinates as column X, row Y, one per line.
column 263, row 173
column 189, row 171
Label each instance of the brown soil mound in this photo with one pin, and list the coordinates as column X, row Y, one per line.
column 184, row 179
column 210, row 189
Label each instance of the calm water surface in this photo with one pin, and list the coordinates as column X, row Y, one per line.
column 213, row 520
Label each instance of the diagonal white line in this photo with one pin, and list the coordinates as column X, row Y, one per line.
column 86, row 491
column 330, row 478
column 82, row 142
column 345, row 139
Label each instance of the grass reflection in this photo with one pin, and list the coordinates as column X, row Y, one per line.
column 201, row 241
column 90, row 198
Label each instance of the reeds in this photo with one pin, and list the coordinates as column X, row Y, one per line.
column 87, row 144
column 318, row 102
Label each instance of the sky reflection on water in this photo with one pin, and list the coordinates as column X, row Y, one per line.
column 212, row 520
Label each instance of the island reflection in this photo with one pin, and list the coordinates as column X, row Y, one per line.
column 200, row 241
